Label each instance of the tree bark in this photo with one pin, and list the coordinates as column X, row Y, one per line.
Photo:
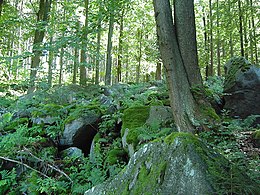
column 109, row 50
column 98, row 50
column 158, row 75
column 218, row 41
column 83, row 56
column 42, row 19
column 184, row 21
column 182, row 101
column 138, row 67
column 120, row 48
column 241, row 28
column 211, row 67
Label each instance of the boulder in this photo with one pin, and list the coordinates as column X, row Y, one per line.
column 80, row 132
column 73, row 152
column 242, row 88
column 178, row 164
column 145, row 123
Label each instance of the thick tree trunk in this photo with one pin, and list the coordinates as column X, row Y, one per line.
column 184, row 21
column 42, row 18
column 109, row 50
column 182, row 101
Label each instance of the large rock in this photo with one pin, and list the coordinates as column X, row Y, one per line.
column 179, row 164
column 242, row 86
column 145, row 123
column 80, row 132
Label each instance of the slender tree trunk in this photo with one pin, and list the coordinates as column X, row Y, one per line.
column 206, row 45
column 126, row 66
column 211, row 67
column 241, row 28
column 218, row 41
column 50, row 63
column 98, row 50
column 75, row 65
column 254, row 31
column 120, row 48
column 42, row 18
column 158, row 71
column 182, row 101
column 109, row 50
column 61, row 65
column 83, row 56
column 138, row 68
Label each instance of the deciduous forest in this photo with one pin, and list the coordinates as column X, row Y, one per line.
column 129, row 97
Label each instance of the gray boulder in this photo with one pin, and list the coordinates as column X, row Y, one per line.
column 80, row 132
column 73, row 152
column 179, row 164
column 242, row 88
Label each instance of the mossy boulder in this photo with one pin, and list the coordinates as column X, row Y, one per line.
column 256, row 138
column 178, row 164
column 242, row 89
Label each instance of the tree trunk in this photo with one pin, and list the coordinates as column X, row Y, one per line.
column 254, row 32
column 42, row 18
column 50, row 63
column 182, row 101
column 109, row 50
column 75, row 65
column 138, row 68
column 83, row 56
column 120, row 48
column 206, row 45
column 211, row 67
column 61, row 65
column 184, row 21
column 241, row 28
column 218, row 41
column 98, row 50
column 158, row 71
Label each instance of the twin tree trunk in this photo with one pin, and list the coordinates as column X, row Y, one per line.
column 177, row 44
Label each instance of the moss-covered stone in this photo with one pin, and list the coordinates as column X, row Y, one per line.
column 210, row 113
column 179, row 164
column 135, row 117
column 47, row 110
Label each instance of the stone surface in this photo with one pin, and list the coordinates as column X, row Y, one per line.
column 73, row 152
column 80, row 132
column 162, row 115
column 179, row 164
column 242, row 88
column 243, row 93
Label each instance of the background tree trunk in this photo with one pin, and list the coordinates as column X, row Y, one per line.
column 42, row 18
column 120, row 48
column 109, row 50
column 83, row 56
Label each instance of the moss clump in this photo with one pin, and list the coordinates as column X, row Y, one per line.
column 188, row 137
column 135, row 117
column 116, row 155
column 210, row 113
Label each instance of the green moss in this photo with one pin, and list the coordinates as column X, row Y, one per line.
column 188, row 137
column 135, row 117
column 149, row 180
column 209, row 112
column 115, row 155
